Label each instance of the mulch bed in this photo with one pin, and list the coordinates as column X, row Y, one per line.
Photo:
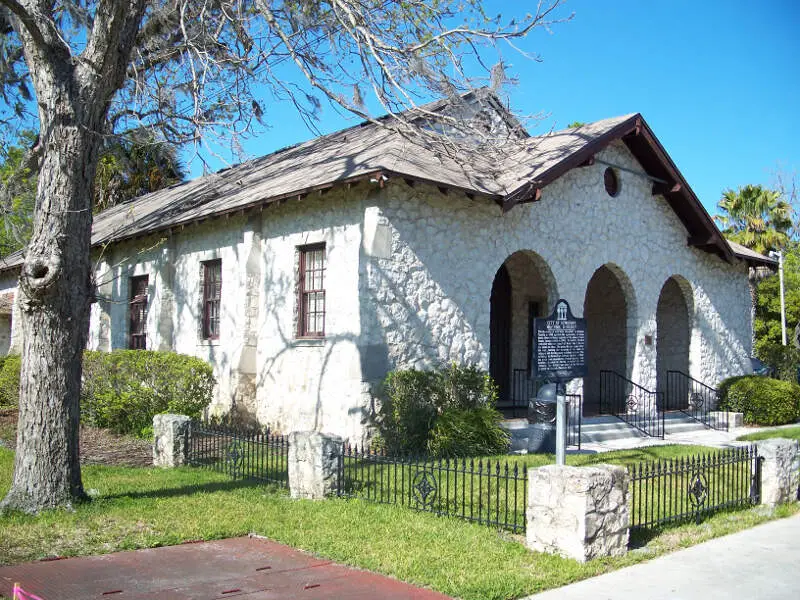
column 98, row 446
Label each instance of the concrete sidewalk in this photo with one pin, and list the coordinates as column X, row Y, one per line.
column 762, row 562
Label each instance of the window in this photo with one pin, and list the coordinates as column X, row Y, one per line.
column 137, row 332
column 212, row 292
column 311, row 296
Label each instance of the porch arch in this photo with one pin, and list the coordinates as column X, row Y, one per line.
column 523, row 288
column 610, row 311
column 673, row 337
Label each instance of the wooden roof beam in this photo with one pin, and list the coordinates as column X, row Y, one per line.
column 662, row 189
column 699, row 241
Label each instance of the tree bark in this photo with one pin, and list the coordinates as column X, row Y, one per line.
column 55, row 287
column 55, row 297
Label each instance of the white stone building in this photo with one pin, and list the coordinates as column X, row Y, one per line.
column 306, row 275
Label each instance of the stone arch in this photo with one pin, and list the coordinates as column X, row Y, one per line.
column 523, row 288
column 673, row 339
column 610, row 311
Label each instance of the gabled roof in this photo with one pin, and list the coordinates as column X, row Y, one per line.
column 369, row 150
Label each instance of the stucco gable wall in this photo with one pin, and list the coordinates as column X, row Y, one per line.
column 435, row 287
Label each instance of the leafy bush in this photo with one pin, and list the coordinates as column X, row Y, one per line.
column 784, row 359
column 9, row 380
column 468, row 432
column 122, row 390
column 407, row 412
column 448, row 412
column 763, row 401
column 463, row 387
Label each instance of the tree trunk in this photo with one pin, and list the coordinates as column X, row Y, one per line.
column 55, row 295
column 73, row 94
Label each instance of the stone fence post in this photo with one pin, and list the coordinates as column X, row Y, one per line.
column 780, row 466
column 313, row 464
column 578, row 512
column 171, row 440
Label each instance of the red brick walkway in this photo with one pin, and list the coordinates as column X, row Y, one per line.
column 249, row 568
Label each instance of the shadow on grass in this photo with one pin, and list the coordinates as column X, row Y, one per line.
column 203, row 488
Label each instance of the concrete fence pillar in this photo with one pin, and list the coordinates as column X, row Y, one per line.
column 313, row 464
column 780, row 463
column 171, row 440
column 578, row 512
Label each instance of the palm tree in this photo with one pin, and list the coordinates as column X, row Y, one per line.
column 755, row 217
column 759, row 219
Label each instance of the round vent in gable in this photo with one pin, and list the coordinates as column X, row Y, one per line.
column 611, row 181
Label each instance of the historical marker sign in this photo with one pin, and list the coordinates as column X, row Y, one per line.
column 560, row 349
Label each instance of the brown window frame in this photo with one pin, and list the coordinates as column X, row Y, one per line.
column 304, row 293
column 137, row 312
column 212, row 298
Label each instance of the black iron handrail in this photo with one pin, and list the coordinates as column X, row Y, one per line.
column 695, row 399
column 632, row 403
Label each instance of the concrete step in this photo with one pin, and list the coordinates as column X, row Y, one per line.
column 602, row 429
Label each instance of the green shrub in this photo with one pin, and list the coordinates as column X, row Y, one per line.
column 407, row 412
column 448, row 412
column 122, row 390
column 468, row 432
column 463, row 387
column 763, row 401
column 9, row 380
column 784, row 359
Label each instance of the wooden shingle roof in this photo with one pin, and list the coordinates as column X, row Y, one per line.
column 369, row 150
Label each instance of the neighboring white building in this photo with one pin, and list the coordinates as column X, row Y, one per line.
column 306, row 275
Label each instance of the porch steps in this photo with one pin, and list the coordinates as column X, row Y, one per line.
column 603, row 429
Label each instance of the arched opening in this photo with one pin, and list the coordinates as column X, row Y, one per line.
column 523, row 289
column 606, row 312
column 673, row 338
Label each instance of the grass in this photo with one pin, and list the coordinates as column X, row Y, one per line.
column 792, row 433
column 143, row 507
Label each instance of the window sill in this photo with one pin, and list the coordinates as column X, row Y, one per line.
column 215, row 342
column 308, row 341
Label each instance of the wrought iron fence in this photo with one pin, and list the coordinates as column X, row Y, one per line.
column 523, row 388
column 490, row 492
column 695, row 399
column 632, row 403
column 691, row 488
column 240, row 453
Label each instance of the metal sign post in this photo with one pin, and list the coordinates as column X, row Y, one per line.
column 560, row 355
column 561, row 425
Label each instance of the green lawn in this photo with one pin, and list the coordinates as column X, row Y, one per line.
column 138, row 508
column 792, row 433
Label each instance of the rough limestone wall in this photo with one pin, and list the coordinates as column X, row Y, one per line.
column 313, row 384
column 429, row 299
column 8, row 285
column 263, row 371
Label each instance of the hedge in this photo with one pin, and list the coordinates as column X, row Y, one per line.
column 763, row 401
column 122, row 390
column 9, row 380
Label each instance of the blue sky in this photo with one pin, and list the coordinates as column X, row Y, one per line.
column 718, row 82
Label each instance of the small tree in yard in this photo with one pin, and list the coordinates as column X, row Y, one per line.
column 101, row 67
